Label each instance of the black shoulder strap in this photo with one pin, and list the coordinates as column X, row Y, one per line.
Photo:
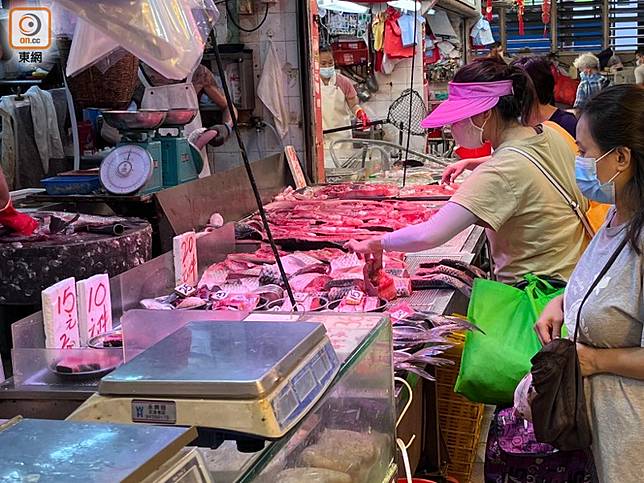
column 603, row 271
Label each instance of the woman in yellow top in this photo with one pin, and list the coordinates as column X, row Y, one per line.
column 529, row 225
column 538, row 68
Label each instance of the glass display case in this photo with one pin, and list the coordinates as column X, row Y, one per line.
column 349, row 435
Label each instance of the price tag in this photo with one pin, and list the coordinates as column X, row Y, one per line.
column 185, row 290
column 295, row 166
column 184, row 249
column 94, row 307
column 220, row 295
column 354, row 297
column 60, row 315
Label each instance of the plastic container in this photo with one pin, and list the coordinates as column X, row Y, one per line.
column 71, row 185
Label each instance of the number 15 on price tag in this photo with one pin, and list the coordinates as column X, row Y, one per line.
column 184, row 250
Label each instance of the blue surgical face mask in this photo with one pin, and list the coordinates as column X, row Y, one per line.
column 588, row 182
column 327, row 72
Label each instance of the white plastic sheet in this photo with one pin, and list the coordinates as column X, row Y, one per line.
column 168, row 35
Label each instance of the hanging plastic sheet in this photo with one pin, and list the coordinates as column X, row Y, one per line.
column 168, row 35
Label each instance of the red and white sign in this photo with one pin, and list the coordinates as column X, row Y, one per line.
column 60, row 315
column 296, row 167
column 94, row 307
column 184, row 250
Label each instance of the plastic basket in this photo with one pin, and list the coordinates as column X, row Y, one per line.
column 460, row 419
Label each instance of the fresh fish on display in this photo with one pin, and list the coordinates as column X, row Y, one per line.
column 441, row 320
column 439, row 281
column 445, row 270
column 158, row 303
column 470, row 270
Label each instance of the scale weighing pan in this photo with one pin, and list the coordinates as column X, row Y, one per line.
column 179, row 117
column 249, row 378
column 141, row 120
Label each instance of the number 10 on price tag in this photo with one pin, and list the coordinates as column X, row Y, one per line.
column 94, row 307
column 184, row 250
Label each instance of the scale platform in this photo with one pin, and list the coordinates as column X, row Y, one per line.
column 54, row 451
column 250, row 378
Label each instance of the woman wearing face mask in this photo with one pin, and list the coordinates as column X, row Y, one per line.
column 530, row 227
column 339, row 102
column 611, row 334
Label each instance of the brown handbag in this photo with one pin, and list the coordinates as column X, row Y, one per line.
column 559, row 414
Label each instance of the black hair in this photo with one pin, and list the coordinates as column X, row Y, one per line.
column 327, row 49
column 540, row 71
column 640, row 51
column 615, row 118
column 518, row 105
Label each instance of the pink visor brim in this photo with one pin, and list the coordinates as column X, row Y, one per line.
column 467, row 100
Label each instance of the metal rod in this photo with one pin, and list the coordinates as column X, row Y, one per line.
column 346, row 128
column 249, row 172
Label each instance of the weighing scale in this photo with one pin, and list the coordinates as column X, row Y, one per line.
column 242, row 381
column 48, row 450
column 182, row 161
column 135, row 165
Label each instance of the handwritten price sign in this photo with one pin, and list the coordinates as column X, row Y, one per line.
column 60, row 315
column 295, row 166
column 94, row 307
column 184, row 249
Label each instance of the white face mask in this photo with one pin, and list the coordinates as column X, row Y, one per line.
column 467, row 134
column 327, row 72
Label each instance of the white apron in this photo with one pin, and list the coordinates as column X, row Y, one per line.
column 175, row 96
column 335, row 113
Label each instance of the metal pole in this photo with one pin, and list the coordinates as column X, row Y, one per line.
column 249, row 172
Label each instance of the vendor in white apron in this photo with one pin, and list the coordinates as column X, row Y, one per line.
column 339, row 106
column 162, row 93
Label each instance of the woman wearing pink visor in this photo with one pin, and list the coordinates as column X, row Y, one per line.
column 529, row 225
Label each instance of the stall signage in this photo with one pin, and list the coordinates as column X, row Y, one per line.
column 94, row 307
column 295, row 166
column 60, row 315
column 184, row 249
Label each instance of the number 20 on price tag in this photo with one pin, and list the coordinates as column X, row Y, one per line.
column 184, row 250
column 60, row 315
column 94, row 307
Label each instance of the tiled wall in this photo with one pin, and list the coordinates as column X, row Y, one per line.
column 280, row 28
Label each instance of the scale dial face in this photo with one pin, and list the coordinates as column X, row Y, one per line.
column 126, row 169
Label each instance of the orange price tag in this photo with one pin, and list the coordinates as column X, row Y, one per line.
column 184, row 249
column 60, row 315
column 94, row 307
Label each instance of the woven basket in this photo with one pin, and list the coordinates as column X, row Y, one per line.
column 460, row 419
column 112, row 89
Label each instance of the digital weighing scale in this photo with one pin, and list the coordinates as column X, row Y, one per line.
column 42, row 450
column 249, row 381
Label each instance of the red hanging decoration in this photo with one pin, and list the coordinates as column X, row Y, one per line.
column 488, row 10
column 520, row 12
column 545, row 15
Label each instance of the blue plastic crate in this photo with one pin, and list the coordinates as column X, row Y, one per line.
column 71, row 185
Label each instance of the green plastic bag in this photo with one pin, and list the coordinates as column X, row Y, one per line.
column 493, row 363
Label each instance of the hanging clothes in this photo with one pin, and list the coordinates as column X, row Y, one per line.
column 393, row 45
column 481, row 33
column 9, row 139
column 271, row 90
column 378, row 31
column 45, row 121
column 406, row 24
